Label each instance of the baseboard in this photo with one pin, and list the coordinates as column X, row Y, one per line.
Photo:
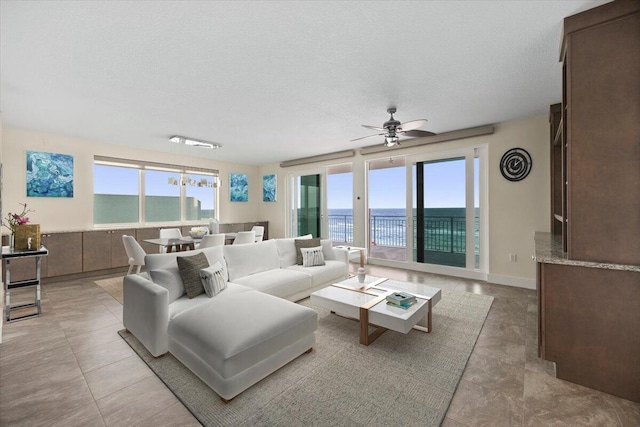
column 430, row 268
column 518, row 282
column 498, row 279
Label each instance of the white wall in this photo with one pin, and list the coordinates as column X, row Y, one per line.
column 516, row 209
column 69, row 214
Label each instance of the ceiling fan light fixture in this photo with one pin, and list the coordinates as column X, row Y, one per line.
column 390, row 141
column 194, row 142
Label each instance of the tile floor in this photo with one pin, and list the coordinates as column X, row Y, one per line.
column 70, row 368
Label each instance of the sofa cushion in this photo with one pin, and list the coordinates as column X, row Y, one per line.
column 287, row 250
column 183, row 304
column 235, row 333
column 327, row 249
column 312, row 256
column 212, row 280
column 332, row 271
column 166, row 260
column 280, row 282
column 304, row 243
column 168, row 278
column 244, row 260
column 189, row 267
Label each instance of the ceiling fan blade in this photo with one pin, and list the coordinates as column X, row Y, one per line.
column 365, row 137
column 414, row 124
column 374, row 128
column 417, row 133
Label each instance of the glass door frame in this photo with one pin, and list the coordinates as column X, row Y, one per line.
column 470, row 154
column 293, row 201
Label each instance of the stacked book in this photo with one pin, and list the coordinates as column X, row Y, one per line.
column 401, row 299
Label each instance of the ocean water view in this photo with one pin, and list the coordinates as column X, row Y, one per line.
column 445, row 228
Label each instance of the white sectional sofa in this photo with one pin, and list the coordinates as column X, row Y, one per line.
column 248, row 330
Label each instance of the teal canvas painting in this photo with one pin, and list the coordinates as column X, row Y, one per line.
column 238, row 187
column 269, row 188
column 49, row 174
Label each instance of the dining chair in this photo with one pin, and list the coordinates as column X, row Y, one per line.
column 259, row 229
column 135, row 253
column 245, row 237
column 210, row 240
column 169, row 233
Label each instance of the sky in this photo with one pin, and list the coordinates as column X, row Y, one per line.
column 444, row 187
column 119, row 180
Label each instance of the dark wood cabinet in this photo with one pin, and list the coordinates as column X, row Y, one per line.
column 65, row 253
column 558, row 212
column 148, row 233
column 589, row 323
column 119, row 256
column 601, row 128
column 96, row 254
column 103, row 249
column 589, row 284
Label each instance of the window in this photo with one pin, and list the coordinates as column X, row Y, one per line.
column 200, row 202
column 116, row 194
column 162, row 196
column 130, row 192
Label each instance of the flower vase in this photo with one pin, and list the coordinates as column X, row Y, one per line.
column 361, row 275
column 12, row 241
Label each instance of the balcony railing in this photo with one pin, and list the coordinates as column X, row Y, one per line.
column 442, row 234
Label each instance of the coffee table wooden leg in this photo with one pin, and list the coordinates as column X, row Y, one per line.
column 429, row 318
column 365, row 337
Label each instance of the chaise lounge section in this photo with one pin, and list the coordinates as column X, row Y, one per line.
column 245, row 332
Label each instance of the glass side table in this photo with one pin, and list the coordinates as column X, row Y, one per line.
column 8, row 255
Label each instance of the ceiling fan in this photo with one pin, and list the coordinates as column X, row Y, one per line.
column 392, row 129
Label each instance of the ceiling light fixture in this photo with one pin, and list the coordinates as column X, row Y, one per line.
column 194, row 142
column 391, row 140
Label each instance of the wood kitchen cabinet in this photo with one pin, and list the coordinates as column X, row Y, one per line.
column 65, row 253
column 588, row 320
column 103, row 249
column 588, row 267
column 600, row 125
column 148, row 233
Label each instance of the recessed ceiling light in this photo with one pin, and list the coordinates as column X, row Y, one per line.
column 194, row 142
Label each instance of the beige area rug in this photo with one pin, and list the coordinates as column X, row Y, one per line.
column 112, row 286
column 400, row 379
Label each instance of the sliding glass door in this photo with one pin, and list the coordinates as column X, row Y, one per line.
column 306, row 205
column 446, row 209
column 387, row 214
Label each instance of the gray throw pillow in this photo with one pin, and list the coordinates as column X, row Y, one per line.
column 305, row 243
column 189, row 267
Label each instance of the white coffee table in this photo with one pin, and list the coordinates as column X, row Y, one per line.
column 369, row 305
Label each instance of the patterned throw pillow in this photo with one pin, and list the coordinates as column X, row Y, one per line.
column 213, row 279
column 189, row 267
column 305, row 243
column 312, row 256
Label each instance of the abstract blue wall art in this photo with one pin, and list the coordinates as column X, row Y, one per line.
column 269, row 188
column 49, row 174
column 238, row 187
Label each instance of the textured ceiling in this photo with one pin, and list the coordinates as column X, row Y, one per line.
column 273, row 81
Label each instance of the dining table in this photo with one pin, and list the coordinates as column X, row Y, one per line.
column 185, row 243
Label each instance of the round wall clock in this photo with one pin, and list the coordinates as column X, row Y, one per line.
column 515, row 164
